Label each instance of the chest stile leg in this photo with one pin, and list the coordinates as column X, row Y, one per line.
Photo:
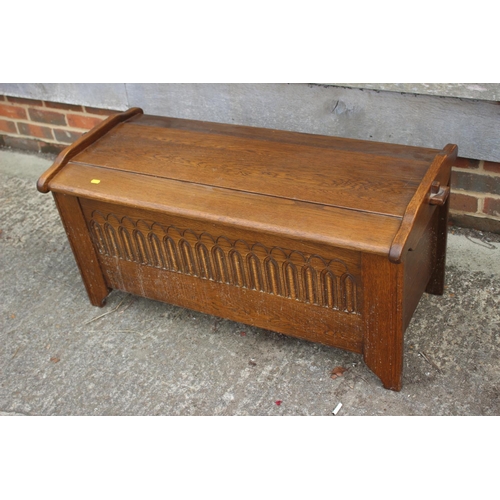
column 436, row 283
column 383, row 314
column 83, row 248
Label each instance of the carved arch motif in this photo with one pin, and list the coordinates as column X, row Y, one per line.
column 286, row 273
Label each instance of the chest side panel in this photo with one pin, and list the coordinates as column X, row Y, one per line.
column 311, row 292
column 419, row 265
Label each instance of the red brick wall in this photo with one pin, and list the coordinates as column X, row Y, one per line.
column 49, row 127
column 475, row 194
column 42, row 126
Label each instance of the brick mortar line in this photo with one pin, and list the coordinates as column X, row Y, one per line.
column 23, row 136
column 79, row 113
column 41, row 124
column 480, row 215
column 110, row 111
column 74, row 129
column 8, row 101
column 86, row 113
column 69, row 128
column 44, row 107
column 41, row 139
column 476, row 171
column 479, row 210
column 465, row 169
column 476, row 194
column 480, row 205
column 50, row 125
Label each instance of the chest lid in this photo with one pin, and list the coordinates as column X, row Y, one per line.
column 350, row 193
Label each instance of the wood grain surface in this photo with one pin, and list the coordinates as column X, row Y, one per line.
column 80, row 144
column 327, row 239
column 286, row 137
column 282, row 217
column 83, row 248
column 347, row 179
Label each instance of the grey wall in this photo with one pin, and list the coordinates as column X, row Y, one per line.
column 481, row 91
column 389, row 115
column 100, row 95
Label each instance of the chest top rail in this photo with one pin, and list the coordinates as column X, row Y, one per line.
column 350, row 193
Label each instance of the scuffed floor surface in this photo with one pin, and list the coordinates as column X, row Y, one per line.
column 61, row 356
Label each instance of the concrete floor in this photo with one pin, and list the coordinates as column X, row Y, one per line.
column 61, row 356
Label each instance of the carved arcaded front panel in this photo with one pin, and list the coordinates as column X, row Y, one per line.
column 308, row 278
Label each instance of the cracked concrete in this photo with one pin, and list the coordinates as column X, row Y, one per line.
column 59, row 356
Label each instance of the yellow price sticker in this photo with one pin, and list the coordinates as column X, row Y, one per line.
column 95, row 181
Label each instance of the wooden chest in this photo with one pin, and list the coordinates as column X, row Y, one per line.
column 331, row 240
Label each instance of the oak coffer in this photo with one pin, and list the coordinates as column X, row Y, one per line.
column 328, row 239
